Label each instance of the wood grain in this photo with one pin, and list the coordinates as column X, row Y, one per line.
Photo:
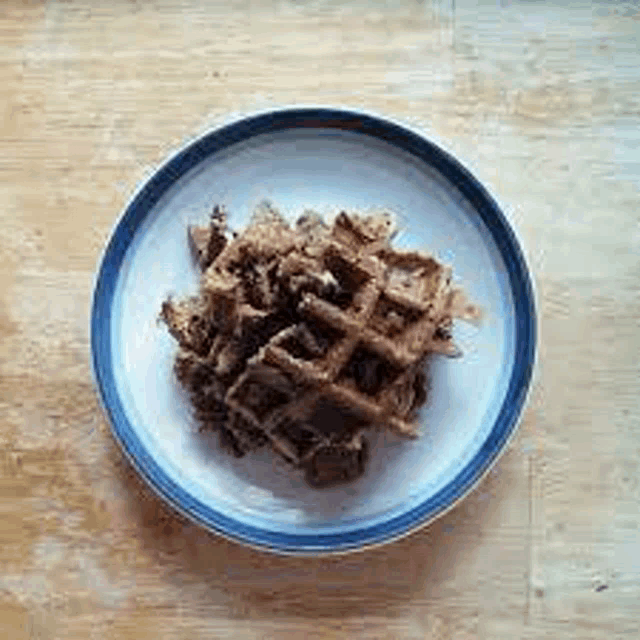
column 541, row 101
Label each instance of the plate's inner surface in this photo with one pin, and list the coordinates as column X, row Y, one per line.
column 323, row 170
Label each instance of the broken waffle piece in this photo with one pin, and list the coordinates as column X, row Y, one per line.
column 336, row 464
column 189, row 323
column 303, row 338
column 206, row 242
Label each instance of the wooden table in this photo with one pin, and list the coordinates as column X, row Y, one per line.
column 541, row 101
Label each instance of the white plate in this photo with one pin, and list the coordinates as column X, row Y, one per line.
column 324, row 159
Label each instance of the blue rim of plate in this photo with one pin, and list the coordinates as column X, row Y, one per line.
column 311, row 118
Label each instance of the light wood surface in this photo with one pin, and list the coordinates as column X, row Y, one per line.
column 541, row 100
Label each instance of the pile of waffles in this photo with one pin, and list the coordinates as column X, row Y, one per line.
column 304, row 337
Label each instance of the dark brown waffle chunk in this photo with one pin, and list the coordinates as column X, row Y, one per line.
column 302, row 338
column 336, row 464
column 189, row 324
column 206, row 243
column 243, row 435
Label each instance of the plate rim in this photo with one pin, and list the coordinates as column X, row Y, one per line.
column 241, row 129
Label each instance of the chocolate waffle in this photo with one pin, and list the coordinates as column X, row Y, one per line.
column 303, row 338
